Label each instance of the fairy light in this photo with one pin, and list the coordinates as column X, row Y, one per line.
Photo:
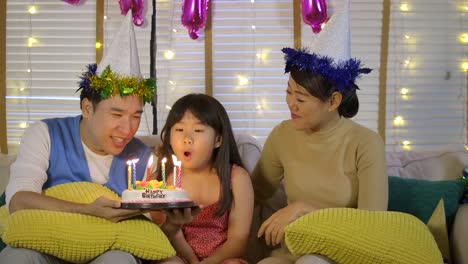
column 98, row 45
column 242, row 80
column 404, row 91
column 407, row 36
column 407, row 62
column 32, row 10
column 464, row 66
column 253, row 27
column 463, row 38
column 169, row 54
column 398, row 121
column 31, row 42
column 404, row 7
column 406, row 142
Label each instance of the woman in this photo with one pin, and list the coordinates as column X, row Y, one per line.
column 324, row 158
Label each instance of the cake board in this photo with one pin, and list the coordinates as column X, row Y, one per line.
column 159, row 206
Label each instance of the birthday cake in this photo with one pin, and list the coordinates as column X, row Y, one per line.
column 153, row 192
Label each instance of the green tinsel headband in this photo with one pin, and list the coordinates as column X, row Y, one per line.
column 111, row 83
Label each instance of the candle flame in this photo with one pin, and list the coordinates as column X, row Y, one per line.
column 150, row 161
column 129, row 162
column 135, row 160
column 163, row 160
column 174, row 159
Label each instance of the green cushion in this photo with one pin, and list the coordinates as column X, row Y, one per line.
column 420, row 197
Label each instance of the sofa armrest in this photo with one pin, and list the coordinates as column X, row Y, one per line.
column 249, row 149
column 459, row 236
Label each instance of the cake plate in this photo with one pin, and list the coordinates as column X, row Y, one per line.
column 159, row 206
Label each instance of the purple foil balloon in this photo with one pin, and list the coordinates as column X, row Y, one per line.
column 194, row 14
column 73, row 2
column 314, row 13
column 136, row 6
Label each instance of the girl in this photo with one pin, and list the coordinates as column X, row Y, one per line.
column 198, row 132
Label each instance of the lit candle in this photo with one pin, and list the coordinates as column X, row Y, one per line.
column 129, row 175
column 148, row 168
column 134, row 161
column 174, row 171
column 179, row 174
column 163, row 172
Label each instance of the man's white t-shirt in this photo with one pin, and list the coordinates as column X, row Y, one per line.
column 29, row 171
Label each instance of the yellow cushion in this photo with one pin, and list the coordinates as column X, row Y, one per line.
column 80, row 238
column 348, row 235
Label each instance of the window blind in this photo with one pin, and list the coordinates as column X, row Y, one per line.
column 41, row 79
column 247, row 37
column 426, row 87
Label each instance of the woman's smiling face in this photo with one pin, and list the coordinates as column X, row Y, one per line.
column 307, row 112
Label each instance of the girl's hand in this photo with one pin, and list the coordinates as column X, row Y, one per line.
column 273, row 227
column 175, row 218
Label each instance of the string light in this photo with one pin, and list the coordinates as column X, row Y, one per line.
column 242, row 80
column 262, row 56
column 404, row 91
column 398, row 121
column 407, row 62
column 404, row 7
column 98, row 45
column 464, row 66
column 32, row 10
column 31, row 41
column 463, row 38
column 23, row 125
column 406, row 144
column 169, row 54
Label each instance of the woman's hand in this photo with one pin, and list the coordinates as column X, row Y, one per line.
column 273, row 227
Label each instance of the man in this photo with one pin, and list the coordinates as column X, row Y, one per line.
column 93, row 147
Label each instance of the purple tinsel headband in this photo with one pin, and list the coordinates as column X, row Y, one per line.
column 342, row 74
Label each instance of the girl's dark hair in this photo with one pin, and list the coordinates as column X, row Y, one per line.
column 210, row 112
column 323, row 89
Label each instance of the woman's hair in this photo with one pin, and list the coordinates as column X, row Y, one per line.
column 320, row 87
column 211, row 113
